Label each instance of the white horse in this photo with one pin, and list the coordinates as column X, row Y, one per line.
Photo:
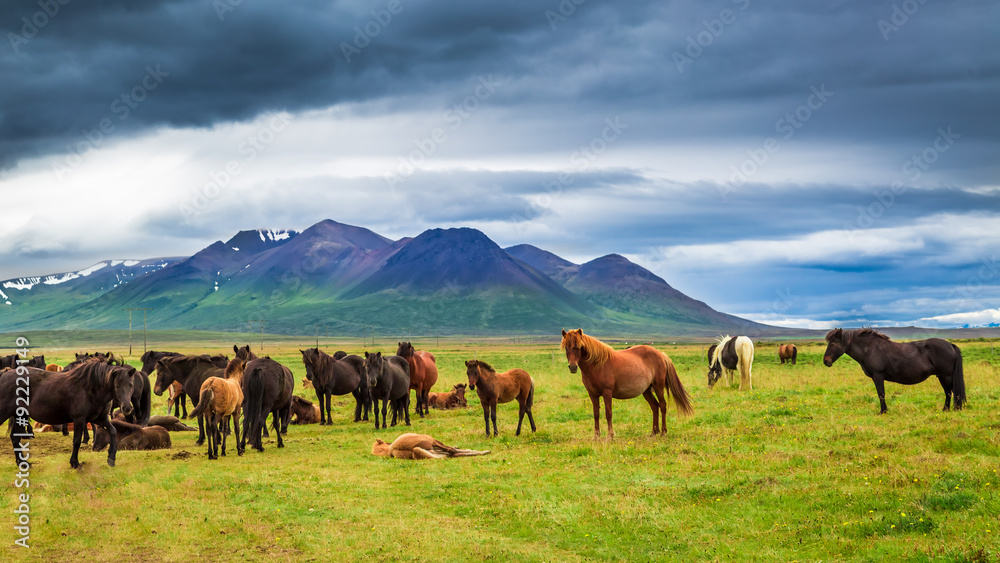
column 732, row 353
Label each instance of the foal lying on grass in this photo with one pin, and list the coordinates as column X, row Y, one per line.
column 419, row 446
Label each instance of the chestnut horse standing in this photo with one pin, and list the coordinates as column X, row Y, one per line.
column 423, row 373
column 626, row 374
column 221, row 399
column 501, row 388
column 788, row 352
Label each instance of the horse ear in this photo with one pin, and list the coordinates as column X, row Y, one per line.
column 378, row 354
column 564, row 332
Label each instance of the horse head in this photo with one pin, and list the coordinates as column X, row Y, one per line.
column 714, row 373
column 374, row 367
column 405, row 349
column 572, row 342
column 309, row 359
column 121, row 376
column 164, row 376
column 472, row 370
column 835, row 346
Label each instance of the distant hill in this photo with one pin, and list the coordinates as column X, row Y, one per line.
column 346, row 278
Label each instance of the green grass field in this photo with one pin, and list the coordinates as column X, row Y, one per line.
column 802, row 468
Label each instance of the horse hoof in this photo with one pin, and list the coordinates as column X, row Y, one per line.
column 75, row 464
column 111, row 462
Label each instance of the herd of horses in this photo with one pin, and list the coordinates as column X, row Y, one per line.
column 87, row 391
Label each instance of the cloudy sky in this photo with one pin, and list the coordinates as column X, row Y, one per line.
column 806, row 164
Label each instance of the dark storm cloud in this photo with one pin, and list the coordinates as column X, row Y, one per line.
column 939, row 68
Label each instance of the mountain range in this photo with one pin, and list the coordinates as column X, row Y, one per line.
column 346, row 278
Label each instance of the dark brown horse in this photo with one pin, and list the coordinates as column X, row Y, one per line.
column 788, row 353
column 493, row 388
column 78, row 395
column 626, row 374
column 191, row 371
column 244, row 353
column 133, row 437
column 331, row 376
column 304, row 412
column 907, row 363
column 423, row 373
column 267, row 388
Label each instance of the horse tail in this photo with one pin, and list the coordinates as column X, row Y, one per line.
column 145, row 401
column 958, row 379
column 674, row 388
column 253, row 401
column 745, row 353
column 207, row 396
column 531, row 396
column 795, row 353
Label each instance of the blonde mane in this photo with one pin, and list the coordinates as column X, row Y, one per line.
column 720, row 342
column 597, row 352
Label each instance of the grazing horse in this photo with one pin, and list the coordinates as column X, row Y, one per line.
column 451, row 400
column 388, row 381
column 788, row 353
column 732, row 353
column 221, row 400
column 79, row 395
column 191, row 371
column 267, row 388
column 330, row 376
column 626, row 374
column 419, row 446
column 501, row 388
column 907, row 363
column 423, row 373
column 133, row 437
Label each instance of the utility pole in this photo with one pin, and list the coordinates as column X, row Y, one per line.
column 130, row 309
column 261, row 321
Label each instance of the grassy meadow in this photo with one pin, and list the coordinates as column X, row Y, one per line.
column 802, row 468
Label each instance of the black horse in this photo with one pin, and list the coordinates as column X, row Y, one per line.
column 388, row 381
column 149, row 360
column 331, row 376
column 267, row 388
column 907, row 363
column 79, row 395
column 191, row 371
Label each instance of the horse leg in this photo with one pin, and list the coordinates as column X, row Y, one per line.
column 184, row 404
column 520, row 415
column 276, row 419
column 406, row 408
column 74, row 460
column 596, row 400
column 16, row 431
column 880, row 389
column 105, row 423
column 328, row 406
column 655, row 406
column 486, row 416
column 236, row 430
column 210, row 433
column 947, row 386
column 607, row 414
column 226, row 419
column 493, row 415
column 201, row 430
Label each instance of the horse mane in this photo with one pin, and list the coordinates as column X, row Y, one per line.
column 234, row 367
column 95, row 373
column 720, row 343
column 484, row 365
column 320, row 361
column 597, row 352
column 849, row 335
